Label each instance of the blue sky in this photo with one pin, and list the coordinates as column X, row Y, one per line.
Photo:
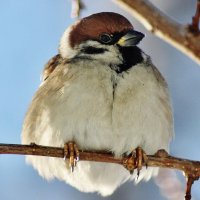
column 29, row 36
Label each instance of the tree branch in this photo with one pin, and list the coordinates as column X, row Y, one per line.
column 160, row 159
column 155, row 21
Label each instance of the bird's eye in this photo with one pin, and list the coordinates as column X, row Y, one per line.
column 105, row 38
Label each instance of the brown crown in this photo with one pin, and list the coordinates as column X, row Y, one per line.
column 94, row 25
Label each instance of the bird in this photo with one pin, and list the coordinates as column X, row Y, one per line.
column 100, row 92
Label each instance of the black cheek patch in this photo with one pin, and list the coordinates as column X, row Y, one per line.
column 93, row 50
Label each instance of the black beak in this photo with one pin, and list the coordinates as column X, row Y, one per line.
column 132, row 38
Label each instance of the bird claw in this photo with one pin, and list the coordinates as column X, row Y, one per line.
column 141, row 158
column 71, row 151
column 136, row 160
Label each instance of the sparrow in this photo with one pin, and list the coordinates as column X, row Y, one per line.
column 100, row 92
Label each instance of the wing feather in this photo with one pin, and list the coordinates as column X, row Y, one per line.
column 50, row 66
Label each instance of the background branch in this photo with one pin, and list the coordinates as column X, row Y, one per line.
column 77, row 6
column 194, row 27
column 160, row 159
column 155, row 21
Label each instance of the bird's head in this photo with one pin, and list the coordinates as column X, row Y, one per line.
column 107, row 37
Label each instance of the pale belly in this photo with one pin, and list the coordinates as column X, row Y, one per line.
column 96, row 118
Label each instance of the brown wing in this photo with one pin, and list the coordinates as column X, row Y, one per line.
column 50, row 66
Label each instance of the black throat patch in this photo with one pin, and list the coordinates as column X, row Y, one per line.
column 131, row 56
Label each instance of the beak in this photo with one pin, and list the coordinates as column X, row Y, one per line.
column 132, row 38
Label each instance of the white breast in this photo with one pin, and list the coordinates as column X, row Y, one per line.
column 141, row 113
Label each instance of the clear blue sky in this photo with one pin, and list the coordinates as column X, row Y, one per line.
column 29, row 36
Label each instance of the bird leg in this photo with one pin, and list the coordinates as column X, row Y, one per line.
column 71, row 151
column 136, row 160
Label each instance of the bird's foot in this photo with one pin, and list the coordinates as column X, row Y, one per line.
column 136, row 160
column 71, row 151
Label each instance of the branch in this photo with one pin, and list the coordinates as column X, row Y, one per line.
column 160, row 159
column 155, row 21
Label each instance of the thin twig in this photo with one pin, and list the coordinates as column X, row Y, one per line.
column 164, row 27
column 194, row 27
column 190, row 181
column 77, row 6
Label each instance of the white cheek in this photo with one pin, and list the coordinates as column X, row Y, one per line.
column 65, row 49
column 113, row 55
